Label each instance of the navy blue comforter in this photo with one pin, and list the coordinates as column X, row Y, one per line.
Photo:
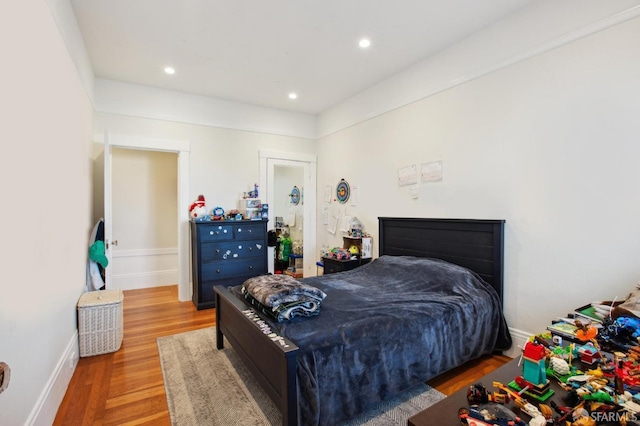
column 387, row 326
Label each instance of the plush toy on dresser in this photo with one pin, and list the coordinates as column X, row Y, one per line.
column 198, row 210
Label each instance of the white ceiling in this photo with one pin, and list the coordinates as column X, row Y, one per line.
column 258, row 51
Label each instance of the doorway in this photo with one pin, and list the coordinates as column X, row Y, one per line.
column 274, row 167
column 288, row 212
column 144, row 198
column 151, row 144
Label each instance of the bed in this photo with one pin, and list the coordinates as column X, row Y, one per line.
column 438, row 306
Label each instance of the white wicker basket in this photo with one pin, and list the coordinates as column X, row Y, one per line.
column 100, row 326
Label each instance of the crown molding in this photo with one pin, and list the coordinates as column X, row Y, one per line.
column 382, row 98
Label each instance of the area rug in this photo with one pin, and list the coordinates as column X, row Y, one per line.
column 207, row 386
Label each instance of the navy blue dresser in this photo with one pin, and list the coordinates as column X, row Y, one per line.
column 225, row 253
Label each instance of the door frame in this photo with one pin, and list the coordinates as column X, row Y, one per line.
column 268, row 161
column 182, row 149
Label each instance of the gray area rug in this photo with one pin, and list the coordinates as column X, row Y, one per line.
column 206, row 386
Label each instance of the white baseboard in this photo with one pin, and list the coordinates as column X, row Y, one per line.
column 46, row 408
column 145, row 279
column 144, row 268
column 519, row 338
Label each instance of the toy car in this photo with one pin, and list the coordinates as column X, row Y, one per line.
column 489, row 415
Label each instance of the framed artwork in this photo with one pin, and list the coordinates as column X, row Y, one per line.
column 343, row 191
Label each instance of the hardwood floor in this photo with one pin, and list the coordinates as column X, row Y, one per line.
column 126, row 387
column 467, row 374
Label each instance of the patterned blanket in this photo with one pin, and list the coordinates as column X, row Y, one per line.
column 273, row 290
column 284, row 311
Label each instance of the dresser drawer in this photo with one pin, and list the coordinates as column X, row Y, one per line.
column 217, row 232
column 225, row 253
column 207, row 293
column 228, row 250
column 249, row 231
column 232, row 268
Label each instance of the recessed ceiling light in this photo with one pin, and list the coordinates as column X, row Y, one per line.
column 364, row 43
column 169, row 70
column 293, row 95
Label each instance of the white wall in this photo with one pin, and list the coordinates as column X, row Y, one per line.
column 224, row 163
column 541, row 26
column 46, row 218
column 550, row 144
column 159, row 104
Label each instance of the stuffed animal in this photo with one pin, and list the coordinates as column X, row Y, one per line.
column 198, row 210
column 340, row 253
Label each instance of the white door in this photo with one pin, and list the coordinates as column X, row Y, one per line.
column 268, row 162
column 108, row 210
column 182, row 149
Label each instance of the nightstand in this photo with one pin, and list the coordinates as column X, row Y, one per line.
column 332, row 266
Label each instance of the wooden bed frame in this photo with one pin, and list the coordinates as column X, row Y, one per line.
column 475, row 244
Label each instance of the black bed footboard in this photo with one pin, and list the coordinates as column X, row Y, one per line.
column 270, row 358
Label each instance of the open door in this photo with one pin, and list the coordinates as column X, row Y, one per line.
column 108, row 211
column 268, row 162
column 140, row 142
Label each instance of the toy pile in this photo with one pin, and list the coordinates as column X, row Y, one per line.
column 253, row 209
column 594, row 356
column 339, row 253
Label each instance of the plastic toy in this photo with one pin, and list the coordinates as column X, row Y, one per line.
column 356, row 228
column 478, row 394
column 585, row 332
column 589, row 354
column 619, row 334
column 252, row 194
column 489, row 415
column 534, row 374
column 217, row 213
column 538, row 416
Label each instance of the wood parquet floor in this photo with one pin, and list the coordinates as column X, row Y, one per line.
column 126, row 387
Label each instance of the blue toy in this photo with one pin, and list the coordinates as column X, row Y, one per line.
column 621, row 333
column 489, row 415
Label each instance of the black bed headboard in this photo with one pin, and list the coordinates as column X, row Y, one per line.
column 476, row 244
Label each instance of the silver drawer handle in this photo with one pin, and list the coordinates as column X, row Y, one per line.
column 218, row 271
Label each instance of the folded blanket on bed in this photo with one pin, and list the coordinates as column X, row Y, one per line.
column 274, row 290
column 284, row 311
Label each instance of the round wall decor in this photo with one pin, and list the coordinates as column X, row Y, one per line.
column 343, row 191
column 295, row 195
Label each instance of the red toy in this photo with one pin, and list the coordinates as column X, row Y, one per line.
column 197, row 208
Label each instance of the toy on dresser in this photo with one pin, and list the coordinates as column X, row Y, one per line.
column 198, row 209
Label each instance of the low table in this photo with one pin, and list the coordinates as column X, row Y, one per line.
column 445, row 412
